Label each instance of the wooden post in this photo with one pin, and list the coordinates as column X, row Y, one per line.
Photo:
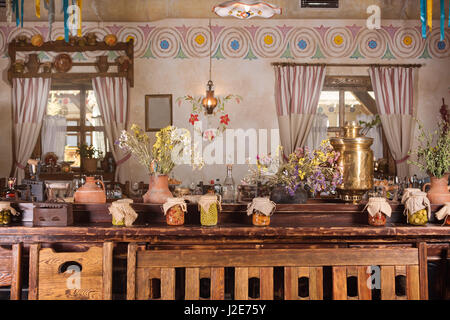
column 107, row 270
column 34, row 272
column 131, row 271
column 423, row 270
column 16, row 266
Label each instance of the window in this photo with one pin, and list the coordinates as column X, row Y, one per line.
column 78, row 110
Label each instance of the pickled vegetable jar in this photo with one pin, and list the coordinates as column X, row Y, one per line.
column 5, row 217
column 378, row 220
column 118, row 222
column 418, row 218
column 209, row 205
column 260, row 219
column 175, row 216
column 447, row 221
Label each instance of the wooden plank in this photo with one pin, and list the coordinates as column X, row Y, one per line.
column 266, row 283
column 364, row 291
column 33, row 272
column 412, row 283
column 241, row 283
column 217, row 283
column 16, row 281
column 131, row 271
column 108, row 248
column 168, row 283
column 143, row 290
column 290, row 283
column 388, row 283
column 423, row 270
column 278, row 257
column 316, row 283
column 339, row 283
column 192, row 287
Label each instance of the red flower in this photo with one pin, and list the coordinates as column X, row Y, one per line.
column 224, row 119
column 193, row 119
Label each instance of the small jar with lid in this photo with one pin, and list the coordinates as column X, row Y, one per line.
column 6, row 213
column 174, row 210
column 407, row 193
column 444, row 214
column 378, row 208
column 417, row 209
column 261, row 209
column 209, row 206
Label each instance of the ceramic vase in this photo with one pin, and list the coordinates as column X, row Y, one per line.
column 439, row 190
column 158, row 189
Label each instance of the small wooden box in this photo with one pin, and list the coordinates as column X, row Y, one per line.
column 52, row 215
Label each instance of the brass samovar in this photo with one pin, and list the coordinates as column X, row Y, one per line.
column 355, row 161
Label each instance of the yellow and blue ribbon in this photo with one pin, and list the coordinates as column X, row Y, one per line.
column 38, row 8
column 66, row 20
column 21, row 15
column 430, row 14
column 423, row 19
column 442, row 20
column 15, row 7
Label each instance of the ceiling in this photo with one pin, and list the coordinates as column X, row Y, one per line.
column 151, row 10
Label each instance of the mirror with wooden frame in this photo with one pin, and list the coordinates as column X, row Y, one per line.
column 158, row 111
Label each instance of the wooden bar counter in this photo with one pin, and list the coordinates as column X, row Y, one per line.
column 314, row 225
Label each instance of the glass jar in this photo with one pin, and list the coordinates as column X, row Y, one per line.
column 175, row 216
column 118, row 222
column 378, row 220
column 5, row 217
column 260, row 219
column 418, row 218
column 447, row 221
column 210, row 206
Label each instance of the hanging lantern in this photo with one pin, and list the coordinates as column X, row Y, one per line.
column 209, row 102
column 246, row 9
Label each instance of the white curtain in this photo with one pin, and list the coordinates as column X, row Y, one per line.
column 29, row 100
column 297, row 93
column 318, row 131
column 112, row 99
column 375, row 134
column 53, row 135
column 394, row 95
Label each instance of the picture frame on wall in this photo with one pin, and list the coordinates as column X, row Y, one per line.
column 158, row 111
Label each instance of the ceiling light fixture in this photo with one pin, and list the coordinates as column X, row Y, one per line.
column 209, row 102
column 246, row 9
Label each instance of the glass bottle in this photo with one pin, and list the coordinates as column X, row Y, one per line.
column 217, row 187
column 117, row 192
column 229, row 188
column 11, row 191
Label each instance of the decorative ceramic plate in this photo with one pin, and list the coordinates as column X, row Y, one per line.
column 62, row 62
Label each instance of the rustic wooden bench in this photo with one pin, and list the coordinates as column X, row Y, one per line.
column 10, row 270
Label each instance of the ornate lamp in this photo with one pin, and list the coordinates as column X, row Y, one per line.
column 246, row 9
column 209, row 102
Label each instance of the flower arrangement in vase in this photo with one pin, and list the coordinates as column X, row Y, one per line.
column 89, row 156
column 433, row 157
column 306, row 170
column 159, row 158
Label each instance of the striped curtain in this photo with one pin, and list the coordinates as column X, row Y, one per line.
column 297, row 93
column 29, row 100
column 112, row 100
column 394, row 95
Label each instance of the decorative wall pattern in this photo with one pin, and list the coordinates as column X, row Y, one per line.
column 259, row 40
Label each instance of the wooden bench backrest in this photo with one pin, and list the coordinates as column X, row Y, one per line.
column 49, row 282
column 347, row 262
column 10, row 270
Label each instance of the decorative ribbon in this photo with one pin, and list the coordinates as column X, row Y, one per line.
column 38, row 8
column 449, row 13
column 66, row 20
column 123, row 160
column 20, row 166
column 21, row 14
column 80, row 5
column 423, row 7
column 401, row 160
column 50, row 6
column 16, row 11
column 430, row 13
column 442, row 19
column 8, row 11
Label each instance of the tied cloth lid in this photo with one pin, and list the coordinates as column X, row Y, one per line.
column 263, row 205
column 378, row 204
column 173, row 202
column 417, row 201
column 4, row 205
column 408, row 192
column 122, row 211
column 444, row 212
column 207, row 200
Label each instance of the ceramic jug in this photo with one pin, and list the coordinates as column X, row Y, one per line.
column 90, row 192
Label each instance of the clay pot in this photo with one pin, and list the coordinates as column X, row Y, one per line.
column 158, row 190
column 62, row 62
column 439, row 190
column 19, row 66
column 89, row 165
column 90, row 192
column 33, row 63
column 91, row 38
column 102, row 64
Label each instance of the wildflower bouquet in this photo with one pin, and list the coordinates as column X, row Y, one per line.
column 265, row 167
column 316, row 169
column 433, row 152
column 159, row 158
